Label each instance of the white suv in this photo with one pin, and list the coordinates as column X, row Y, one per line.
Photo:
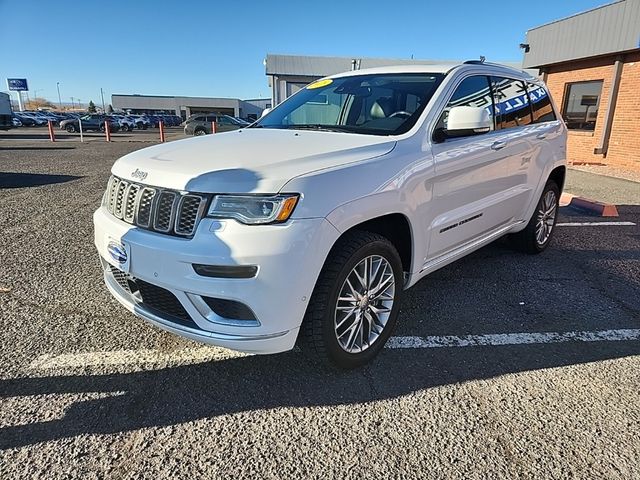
column 307, row 226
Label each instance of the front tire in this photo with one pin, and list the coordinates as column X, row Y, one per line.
column 355, row 303
column 535, row 238
column 70, row 128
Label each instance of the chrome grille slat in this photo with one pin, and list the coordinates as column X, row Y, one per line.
column 130, row 202
column 145, row 204
column 164, row 213
column 188, row 213
column 160, row 210
column 111, row 201
column 119, row 199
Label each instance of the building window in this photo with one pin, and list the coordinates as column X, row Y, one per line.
column 581, row 102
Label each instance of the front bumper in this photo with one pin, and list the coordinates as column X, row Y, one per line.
column 289, row 258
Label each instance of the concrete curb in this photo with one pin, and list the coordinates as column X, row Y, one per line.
column 591, row 206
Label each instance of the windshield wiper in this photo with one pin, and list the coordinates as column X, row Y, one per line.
column 317, row 126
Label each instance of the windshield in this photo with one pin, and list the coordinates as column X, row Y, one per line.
column 378, row 104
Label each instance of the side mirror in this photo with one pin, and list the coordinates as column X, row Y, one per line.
column 463, row 121
column 264, row 112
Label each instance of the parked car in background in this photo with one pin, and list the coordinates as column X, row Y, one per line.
column 25, row 120
column 200, row 124
column 48, row 117
column 242, row 121
column 93, row 122
column 141, row 121
column 6, row 113
column 170, row 120
column 126, row 124
column 37, row 119
column 306, row 227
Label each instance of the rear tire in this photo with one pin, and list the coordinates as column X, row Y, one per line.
column 536, row 236
column 347, row 333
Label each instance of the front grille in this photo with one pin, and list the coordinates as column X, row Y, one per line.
column 121, row 278
column 156, row 299
column 160, row 210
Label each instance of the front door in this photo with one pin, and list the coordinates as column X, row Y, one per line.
column 470, row 197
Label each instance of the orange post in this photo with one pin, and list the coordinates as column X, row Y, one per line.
column 52, row 135
column 107, row 130
column 213, row 127
column 161, row 127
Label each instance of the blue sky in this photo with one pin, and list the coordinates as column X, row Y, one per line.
column 216, row 48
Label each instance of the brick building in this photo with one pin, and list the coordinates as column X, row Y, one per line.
column 591, row 63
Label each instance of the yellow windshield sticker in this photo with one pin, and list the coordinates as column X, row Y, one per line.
column 320, row 83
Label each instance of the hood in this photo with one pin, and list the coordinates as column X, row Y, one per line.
column 250, row 160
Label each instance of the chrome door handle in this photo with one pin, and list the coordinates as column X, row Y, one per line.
column 498, row 145
column 541, row 136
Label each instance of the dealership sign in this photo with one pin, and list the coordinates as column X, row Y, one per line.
column 17, row 84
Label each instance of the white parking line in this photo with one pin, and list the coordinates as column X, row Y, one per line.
column 497, row 339
column 206, row 354
column 595, row 224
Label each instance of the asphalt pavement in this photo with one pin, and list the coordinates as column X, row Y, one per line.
column 617, row 191
column 523, row 367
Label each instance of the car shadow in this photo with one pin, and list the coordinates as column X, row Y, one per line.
column 176, row 395
column 453, row 301
column 24, row 180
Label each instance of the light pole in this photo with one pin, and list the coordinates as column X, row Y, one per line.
column 102, row 95
column 72, row 104
column 59, row 98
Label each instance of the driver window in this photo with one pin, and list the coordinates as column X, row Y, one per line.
column 474, row 91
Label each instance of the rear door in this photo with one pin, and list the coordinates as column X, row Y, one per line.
column 547, row 138
column 471, row 185
column 514, row 122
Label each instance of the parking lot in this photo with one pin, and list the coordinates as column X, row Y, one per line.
column 502, row 366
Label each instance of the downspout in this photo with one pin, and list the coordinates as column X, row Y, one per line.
column 274, row 99
column 603, row 146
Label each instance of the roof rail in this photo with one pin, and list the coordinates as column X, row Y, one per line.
column 481, row 62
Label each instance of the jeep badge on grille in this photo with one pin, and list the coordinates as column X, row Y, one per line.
column 139, row 174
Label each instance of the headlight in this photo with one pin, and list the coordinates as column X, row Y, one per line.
column 254, row 209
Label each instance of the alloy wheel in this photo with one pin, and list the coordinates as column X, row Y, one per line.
column 364, row 304
column 546, row 217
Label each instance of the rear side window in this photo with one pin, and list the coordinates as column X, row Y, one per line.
column 511, row 102
column 540, row 104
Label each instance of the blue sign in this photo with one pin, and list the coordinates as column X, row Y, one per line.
column 17, row 84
